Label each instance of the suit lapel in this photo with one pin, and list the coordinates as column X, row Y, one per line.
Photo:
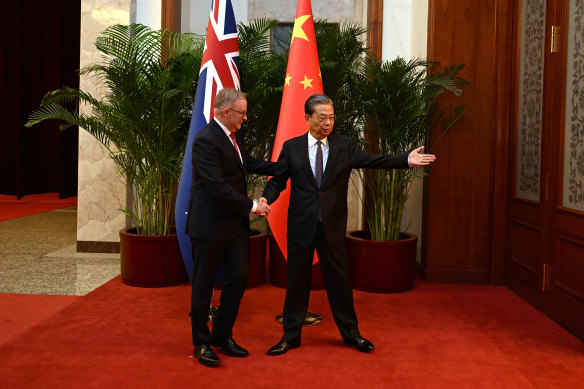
column 226, row 143
column 239, row 141
column 303, row 153
column 332, row 155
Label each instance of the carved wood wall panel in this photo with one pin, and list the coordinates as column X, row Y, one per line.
column 573, row 185
column 529, row 115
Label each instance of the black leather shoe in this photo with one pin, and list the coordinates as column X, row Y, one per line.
column 230, row 348
column 204, row 353
column 283, row 347
column 360, row 344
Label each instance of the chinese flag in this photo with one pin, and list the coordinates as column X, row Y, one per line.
column 303, row 79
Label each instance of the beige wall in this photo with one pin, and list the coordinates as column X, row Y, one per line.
column 285, row 11
column 101, row 194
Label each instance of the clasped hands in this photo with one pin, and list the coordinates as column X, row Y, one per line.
column 263, row 208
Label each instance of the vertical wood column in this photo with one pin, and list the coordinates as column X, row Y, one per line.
column 375, row 26
column 501, row 127
column 171, row 10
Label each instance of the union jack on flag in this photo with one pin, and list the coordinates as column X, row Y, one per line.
column 219, row 69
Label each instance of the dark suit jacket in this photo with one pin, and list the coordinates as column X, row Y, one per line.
column 306, row 197
column 218, row 206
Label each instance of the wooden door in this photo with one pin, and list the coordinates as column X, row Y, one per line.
column 545, row 223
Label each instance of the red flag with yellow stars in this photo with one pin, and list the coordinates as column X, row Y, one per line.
column 303, row 79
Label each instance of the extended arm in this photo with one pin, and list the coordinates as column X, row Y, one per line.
column 360, row 159
column 278, row 182
column 257, row 166
column 261, row 167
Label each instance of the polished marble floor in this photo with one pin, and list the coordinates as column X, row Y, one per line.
column 38, row 256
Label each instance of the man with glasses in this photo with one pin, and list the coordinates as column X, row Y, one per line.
column 218, row 223
column 318, row 165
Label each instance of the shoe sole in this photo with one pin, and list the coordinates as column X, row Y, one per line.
column 273, row 354
column 209, row 364
column 234, row 355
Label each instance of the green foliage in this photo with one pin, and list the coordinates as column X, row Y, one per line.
column 340, row 53
column 149, row 81
column 400, row 103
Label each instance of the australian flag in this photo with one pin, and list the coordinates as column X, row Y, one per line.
column 219, row 69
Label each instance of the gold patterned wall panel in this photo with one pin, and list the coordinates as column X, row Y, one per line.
column 573, row 190
column 529, row 114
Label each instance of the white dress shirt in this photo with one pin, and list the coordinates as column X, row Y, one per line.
column 228, row 134
column 312, row 146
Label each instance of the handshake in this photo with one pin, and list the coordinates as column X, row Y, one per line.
column 263, row 208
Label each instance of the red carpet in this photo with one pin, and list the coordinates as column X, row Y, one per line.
column 22, row 311
column 11, row 208
column 435, row 336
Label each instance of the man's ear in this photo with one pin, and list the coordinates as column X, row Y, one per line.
column 306, row 117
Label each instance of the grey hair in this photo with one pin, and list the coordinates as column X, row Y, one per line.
column 227, row 96
column 314, row 100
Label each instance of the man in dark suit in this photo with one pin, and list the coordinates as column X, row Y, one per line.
column 218, row 223
column 319, row 165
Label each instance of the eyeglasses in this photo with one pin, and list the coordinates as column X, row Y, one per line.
column 323, row 118
column 243, row 113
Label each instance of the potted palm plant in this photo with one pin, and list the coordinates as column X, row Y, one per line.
column 400, row 103
column 142, row 119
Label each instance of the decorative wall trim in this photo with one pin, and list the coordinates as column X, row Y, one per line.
column 98, row 247
column 573, row 190
column 454, row 276
column 529, row 115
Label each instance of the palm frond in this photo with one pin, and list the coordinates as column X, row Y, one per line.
column 148, row 81
column 400, row 104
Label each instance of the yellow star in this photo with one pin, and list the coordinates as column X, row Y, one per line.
column 307, row 82
column 288, row 78
column 320, row 75
column 298, row 32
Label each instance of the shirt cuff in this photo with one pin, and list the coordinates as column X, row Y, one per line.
column 409, row 160
column 254, row 207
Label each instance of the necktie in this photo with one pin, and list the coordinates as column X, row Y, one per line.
column 318, row 170
column 318, row 164
column 232, row 136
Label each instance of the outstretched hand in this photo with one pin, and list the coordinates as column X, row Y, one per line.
column 418, row 159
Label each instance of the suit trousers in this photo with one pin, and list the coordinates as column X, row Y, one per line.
column 208, row 255
column 335, row 265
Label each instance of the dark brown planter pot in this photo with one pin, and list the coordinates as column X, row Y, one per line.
column 279, row 270
column 382, row 266
column 151, row 261
column 257, row 258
